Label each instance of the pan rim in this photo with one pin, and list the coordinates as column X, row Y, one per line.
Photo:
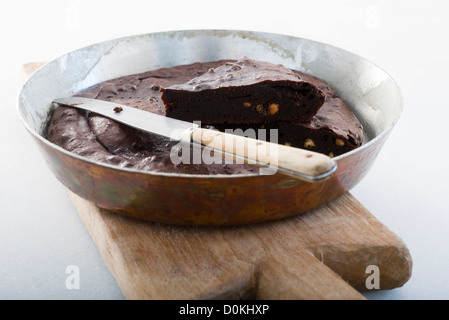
column 42, row 139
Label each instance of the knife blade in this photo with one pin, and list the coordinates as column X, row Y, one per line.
column 139, row 119
column 298, row 163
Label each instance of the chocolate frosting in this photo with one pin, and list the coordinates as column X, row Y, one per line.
column 235, row 73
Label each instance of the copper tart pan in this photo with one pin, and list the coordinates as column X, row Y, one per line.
column 209, row 200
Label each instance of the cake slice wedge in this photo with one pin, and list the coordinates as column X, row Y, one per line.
column 245, row 91
column 333, row 131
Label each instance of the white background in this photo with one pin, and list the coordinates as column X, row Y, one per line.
column 407, row 189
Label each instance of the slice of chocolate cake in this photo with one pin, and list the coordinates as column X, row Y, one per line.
column 245, row 91
column 334, row 125
column 334, row 130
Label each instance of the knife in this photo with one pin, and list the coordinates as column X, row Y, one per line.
column 295, row 162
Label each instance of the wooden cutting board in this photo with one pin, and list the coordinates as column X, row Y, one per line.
column 321, row 255
column 334, row 252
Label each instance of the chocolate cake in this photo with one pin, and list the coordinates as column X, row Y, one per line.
column 245, row 91
column 334, row 130
column 104, row 140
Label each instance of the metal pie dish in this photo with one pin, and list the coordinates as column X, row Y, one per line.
column 209, row 200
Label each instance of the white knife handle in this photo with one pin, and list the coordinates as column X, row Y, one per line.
column 302, row 164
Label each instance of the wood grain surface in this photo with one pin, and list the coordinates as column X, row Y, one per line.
column 320, row 255
column 323, row 254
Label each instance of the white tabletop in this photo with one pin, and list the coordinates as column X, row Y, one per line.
column 41, row 234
